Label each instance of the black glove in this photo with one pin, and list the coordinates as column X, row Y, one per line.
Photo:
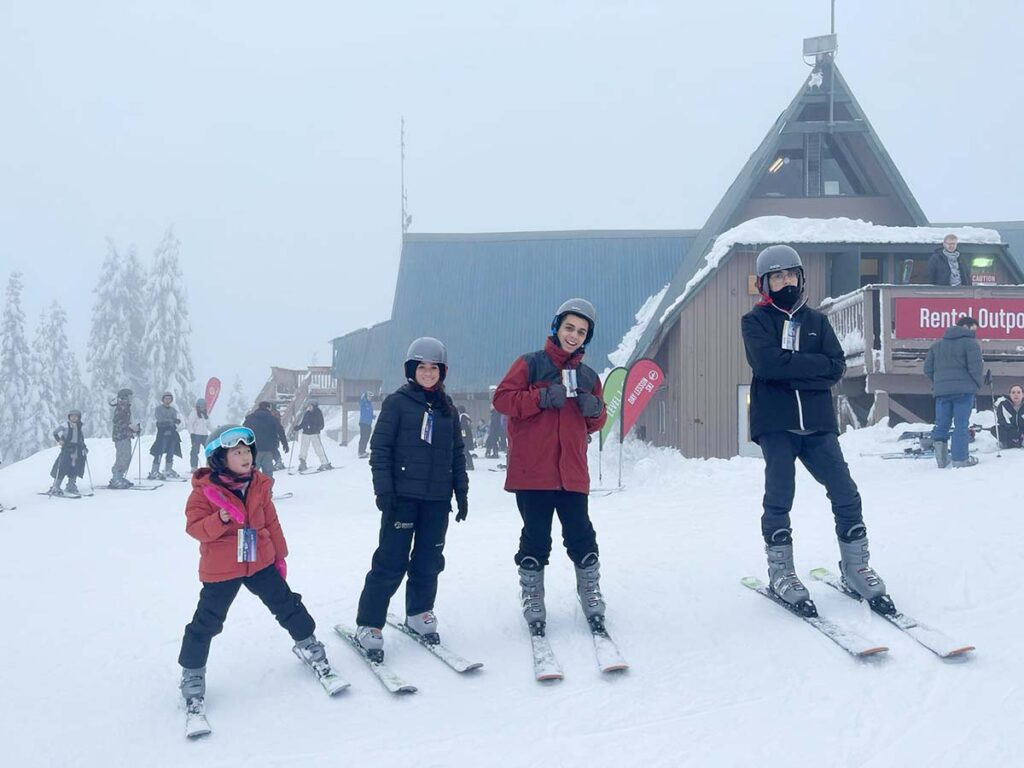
column 552, row 396
column 286, row 448
column 462, row 501
column 385, row 501
column 590, row 405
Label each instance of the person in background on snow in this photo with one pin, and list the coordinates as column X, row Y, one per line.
column 168, row 441
column 365, row 422
column 231, row 514
column 956, row 369
column 197, row 422
column 312, row 425
column 282, row 442
column 493, row 432
column 946, row 266
column 553, row 401
column 1010, row 418
column 796, row 359
column 269, row 434
column 418, row 462
column 70, row 462
column 122, row 432
column 466, row 428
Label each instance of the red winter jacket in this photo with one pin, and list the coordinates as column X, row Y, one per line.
column 218, row 541
column 547, row 448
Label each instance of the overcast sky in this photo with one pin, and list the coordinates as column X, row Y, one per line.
column 268, row 135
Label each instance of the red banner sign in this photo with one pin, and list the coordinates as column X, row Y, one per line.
column 642, row 381
column 928, row 318
column 212, row 393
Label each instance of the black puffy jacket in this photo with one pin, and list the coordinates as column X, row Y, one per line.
column 268, row 430
column 312, row 422
column 406, row 465
column 791, row 390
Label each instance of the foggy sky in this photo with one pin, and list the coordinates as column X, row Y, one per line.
column 268, row 135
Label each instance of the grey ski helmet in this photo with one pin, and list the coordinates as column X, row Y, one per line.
column 314, row 403
column 165, row 395
column 75, row 412
column 426, row 349
column 124, row 394
column 580, row 307
column 201, row 403
column 777, row 257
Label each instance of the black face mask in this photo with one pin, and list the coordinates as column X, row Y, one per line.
column 785, row 298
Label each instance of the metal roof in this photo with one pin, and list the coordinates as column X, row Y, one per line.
column 490, row 297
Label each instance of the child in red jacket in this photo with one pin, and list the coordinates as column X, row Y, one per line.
column 241, row 544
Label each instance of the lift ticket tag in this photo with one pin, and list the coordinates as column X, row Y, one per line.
column 569, row 381
column 427, row 427
column 247, row 545
column 791, row 335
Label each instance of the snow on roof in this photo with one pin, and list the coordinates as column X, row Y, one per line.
column 633, row 335
column 783, row 229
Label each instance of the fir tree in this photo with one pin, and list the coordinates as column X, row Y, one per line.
column 165, row 344
column 60, row 365
column 43, row 400
column 16, row 439
column 110, row 341
column 237, row 404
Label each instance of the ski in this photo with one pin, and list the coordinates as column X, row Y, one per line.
column 62, row 495
column 609, row 657
column 449, row 657
column 6, row 509
column 331, row 681
column 196, row 724
column 134, row 487
column 280, row 496
column 934, row 640
column 387, row 676
column 845, row 638
column 545, row 666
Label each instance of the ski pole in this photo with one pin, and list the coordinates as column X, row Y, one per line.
column 88, row 471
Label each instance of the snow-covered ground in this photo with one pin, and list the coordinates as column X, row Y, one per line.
column 96, row 592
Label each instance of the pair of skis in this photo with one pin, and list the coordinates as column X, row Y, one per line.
column 64, row 495
column 197, row 724
column 391, row 679
column 851, row 641
column 311, row 471
column 545, row 664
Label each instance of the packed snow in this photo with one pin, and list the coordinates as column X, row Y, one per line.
column 97, row 591
column 643, row 318
column 785, row 229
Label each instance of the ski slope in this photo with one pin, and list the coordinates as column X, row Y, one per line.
column 96, row 592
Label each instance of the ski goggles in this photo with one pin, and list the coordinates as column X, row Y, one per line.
column 229, row 438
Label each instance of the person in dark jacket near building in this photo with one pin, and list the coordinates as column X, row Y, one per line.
column 269, row 434
column 466, row 427
column 168, row 441
column 365, row 422
column 947, row 267
column 553, row 402
column 312, row 425
column 122, row 432
column 494, row 431
column 1010, row 418
column 955, row 367
column 418, row 463
column 70, row 462
column 796, row 359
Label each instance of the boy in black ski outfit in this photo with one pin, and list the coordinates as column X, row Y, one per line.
column 796, row 359
column 71, row 461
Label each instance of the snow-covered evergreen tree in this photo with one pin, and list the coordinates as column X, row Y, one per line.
column 238, row 406
column 134, row 280
column 165, row 344
column 16, row 439
column 60, row 364
column 113, row 357
column 42, row 400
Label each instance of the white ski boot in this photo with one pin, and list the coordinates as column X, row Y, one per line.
column 372, row 642
column 425, row 625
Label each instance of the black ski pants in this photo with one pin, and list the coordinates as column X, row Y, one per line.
column 364, row 437
column 537, row 508
column 821, row 455
column 414, row 524
column 215, row 599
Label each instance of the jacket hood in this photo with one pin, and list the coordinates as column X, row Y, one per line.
column 959, row 332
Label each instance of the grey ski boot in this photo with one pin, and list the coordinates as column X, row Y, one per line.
column 531, row 584
column 371, row 640
column 311, row 652
column 588, row 588
column 782, row 578
column 193, row 683
column 941, row 453
column 424, row 624
column 858, row 575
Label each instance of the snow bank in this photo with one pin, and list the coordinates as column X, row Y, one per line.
column 629, row 341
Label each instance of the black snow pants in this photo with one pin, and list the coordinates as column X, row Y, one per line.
column 215, row 599
column 410, row 523
column 821, row 455
column 537, row 508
